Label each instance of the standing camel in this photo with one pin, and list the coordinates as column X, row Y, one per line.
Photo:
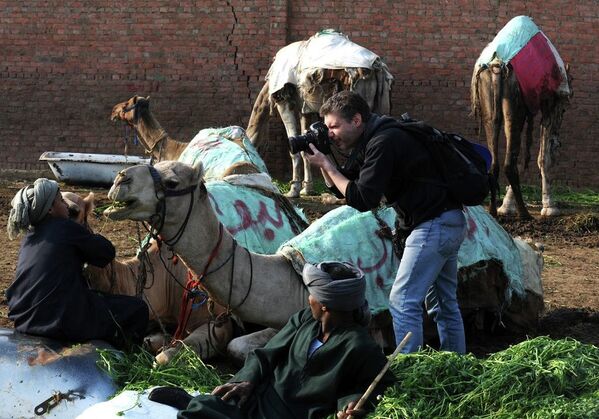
column 303, row 76
column 518, row 74
column 261, row 289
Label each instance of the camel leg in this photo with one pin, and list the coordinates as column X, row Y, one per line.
column 544, row 162
column 515, row 116
column 489, row 92
column 508, row 207
column 239, row 348
column 208, row 340
column 308, row 184
column 156, row 341
column 291, row 127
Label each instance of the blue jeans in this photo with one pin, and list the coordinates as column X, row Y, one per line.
column 428, row 271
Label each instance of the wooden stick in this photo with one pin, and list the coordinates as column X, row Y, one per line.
column 378, row 378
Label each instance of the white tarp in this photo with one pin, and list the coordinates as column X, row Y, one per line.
column 326, row 49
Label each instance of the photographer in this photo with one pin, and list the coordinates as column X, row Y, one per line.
column 384, row 160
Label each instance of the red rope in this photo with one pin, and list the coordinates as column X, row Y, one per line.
column 192, row 285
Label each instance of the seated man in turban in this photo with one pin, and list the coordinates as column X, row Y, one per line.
column 321, row 362
column 49, row 296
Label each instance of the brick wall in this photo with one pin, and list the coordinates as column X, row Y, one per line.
column 64, row 64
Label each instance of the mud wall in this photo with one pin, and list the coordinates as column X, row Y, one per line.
column 64, row 64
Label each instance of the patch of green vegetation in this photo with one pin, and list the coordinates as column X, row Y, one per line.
column 538, row 378
column 551, row 261
column 562, row 195
column 136, row 371
column 319, row 186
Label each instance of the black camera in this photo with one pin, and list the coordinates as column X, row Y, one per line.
column 317, row 134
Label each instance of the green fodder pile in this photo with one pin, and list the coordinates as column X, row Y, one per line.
column 538, row 378
column 136, row 371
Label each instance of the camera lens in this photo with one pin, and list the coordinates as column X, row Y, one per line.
column 297, row 144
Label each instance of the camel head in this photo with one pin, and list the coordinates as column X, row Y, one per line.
column 128, row 110
column 141, row 193
column 79, row 208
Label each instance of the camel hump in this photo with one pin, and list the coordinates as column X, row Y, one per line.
column 352, row 236
column 241, row 168
column 219, row 149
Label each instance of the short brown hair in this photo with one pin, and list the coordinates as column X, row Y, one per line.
column 346, row 104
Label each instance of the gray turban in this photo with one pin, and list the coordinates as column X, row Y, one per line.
column 337, row 285
column 30, row 205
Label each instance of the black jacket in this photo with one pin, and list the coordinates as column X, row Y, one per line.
column 49, row 296
column 386, row 162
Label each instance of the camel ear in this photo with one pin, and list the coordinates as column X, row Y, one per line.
column 89, row 204
column 198, row 171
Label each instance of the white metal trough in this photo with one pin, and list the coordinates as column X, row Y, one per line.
column 86, row 168
column 41, row 377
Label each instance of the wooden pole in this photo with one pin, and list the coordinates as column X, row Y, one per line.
column 378, row 378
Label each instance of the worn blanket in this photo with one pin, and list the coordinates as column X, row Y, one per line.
column 249, row 206
column 219, row 149
column 346, row 234
column 536, row 63
column 297, row 63
column 257, row 219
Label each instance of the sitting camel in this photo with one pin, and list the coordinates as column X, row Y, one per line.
column 155, row 140
column 303, row 75
column 517, row 74
column 222, row 158
column 207, row 330
column 261, row 289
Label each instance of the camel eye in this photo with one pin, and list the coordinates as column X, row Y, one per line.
column 171, row 184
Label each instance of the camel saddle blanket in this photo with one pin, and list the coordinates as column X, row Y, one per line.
column 219, row 149
column 538, row 67
column 256, row 217
column 346, row 234
column 256, row 214
column 326, row 49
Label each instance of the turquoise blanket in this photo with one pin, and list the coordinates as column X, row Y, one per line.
column 255, row 218
column 219, row 149
column 509, row 40
column 349, row 235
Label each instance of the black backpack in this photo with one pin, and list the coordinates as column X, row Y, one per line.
column 461, row 164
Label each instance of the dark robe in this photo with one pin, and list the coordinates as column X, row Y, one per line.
column 291, row 385
column 50, row 297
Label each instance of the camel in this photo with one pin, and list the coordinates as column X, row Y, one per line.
column 258, row 220
column 243, row 158
column 207, row 331
column 501, row 95
column 160, row 280
column 229, row 160
column 261, row 289
column 155, row 140
column 303, row 75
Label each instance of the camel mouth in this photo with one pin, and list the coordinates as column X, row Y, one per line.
column 118, row 208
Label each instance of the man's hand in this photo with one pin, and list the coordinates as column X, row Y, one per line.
column 331, row 175
column 241, row 391
column 318, row 159
column 350, row 411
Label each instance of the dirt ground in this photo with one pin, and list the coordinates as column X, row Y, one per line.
column 570, row 276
